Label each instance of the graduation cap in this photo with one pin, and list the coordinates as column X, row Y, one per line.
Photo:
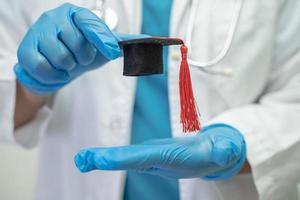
column 144, row 56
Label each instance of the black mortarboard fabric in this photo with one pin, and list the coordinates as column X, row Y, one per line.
column 145, row 57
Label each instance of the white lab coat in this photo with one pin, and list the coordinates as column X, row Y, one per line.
column 261, row 99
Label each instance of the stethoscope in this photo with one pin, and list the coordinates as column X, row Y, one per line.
column 110, row 17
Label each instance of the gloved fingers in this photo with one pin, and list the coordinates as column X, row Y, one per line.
column 118, row 158
column 157, row 171
column 37, row 66
column 169, row 141
column 197, row 156
column 99, row 60
column 159, row 141
column 57, row 54
column 83, row 51
column 33, row 85
column 97, row 32
column 182, row 159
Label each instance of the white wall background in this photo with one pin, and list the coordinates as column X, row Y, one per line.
column 18, row 170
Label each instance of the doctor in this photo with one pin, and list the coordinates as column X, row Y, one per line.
column 51, row 99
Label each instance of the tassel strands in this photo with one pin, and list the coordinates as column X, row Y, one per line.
column 188, row 110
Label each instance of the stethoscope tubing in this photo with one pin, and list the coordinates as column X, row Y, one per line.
column 206, row 66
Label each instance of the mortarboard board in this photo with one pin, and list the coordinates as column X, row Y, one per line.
column 144, row 56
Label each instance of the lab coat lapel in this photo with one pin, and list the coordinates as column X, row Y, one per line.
column 133, row 12
column 133, row 9
column 180, row 8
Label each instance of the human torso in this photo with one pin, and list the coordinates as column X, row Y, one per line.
column 95, row 110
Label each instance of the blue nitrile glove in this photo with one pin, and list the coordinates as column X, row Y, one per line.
column 64, row 43
column 217, row 153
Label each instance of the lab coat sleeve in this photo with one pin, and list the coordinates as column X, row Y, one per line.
column 271, row 127
column 14, row 22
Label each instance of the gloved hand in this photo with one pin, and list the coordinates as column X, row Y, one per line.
column 217, row 153
column 64, row 43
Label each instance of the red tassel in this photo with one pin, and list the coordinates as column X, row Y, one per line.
column 188, row 110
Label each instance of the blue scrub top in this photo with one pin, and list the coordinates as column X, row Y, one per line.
column 151, row 118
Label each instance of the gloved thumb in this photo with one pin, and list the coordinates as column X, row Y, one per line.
column 97, row 32
column 225, row 152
